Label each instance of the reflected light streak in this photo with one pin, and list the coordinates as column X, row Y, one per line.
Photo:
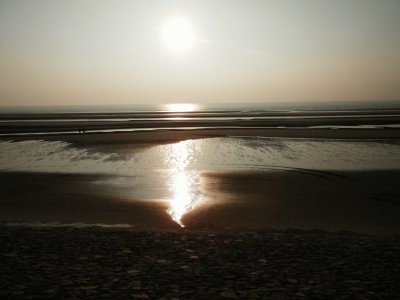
column 184, row 184
column 181, row 107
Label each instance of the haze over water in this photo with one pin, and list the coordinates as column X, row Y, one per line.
column 217, row 106
column 140, row 52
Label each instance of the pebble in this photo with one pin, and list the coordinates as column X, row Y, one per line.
column 140, row 296
column 120, row 264
column 229, row 294
column 292, row 281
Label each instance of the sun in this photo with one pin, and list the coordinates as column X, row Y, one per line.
column 178, row 34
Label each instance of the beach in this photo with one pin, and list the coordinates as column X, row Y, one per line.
column 364, row 201
column 177, row 150
column 106, row 263
column 360, row 202
column 98, row 220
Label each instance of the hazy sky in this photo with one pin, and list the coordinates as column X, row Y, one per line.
column 111, row 52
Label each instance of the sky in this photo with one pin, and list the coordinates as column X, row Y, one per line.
column 94, row 52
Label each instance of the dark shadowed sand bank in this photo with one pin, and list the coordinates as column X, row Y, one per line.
column 173, row 135
column 170, row 136
column 94, row 263
column 364, row 202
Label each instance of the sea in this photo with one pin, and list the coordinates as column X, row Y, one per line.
column 245, row 106
column 70, row 119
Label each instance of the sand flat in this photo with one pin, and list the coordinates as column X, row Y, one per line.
column 366, row 201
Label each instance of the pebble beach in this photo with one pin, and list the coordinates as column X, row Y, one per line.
column 120, row 263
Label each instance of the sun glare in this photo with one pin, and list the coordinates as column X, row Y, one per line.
column 178, row 34
column 184, row 181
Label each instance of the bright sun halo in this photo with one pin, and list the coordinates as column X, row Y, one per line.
column 178, row 34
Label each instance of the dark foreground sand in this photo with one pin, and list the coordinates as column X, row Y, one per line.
column 94, row 263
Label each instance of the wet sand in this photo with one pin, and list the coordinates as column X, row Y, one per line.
column 236, row 246
column 363, row 202
column 125, row 141
column 366, row 202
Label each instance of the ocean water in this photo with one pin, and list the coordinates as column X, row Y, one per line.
column 245, row 106
column 323, row 115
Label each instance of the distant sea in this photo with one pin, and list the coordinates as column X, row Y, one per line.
column 242, row 107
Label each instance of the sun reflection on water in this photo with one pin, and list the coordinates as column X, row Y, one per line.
column 184, row 183
column 181, row 107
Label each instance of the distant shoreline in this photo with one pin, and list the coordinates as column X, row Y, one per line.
column 67, row 123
